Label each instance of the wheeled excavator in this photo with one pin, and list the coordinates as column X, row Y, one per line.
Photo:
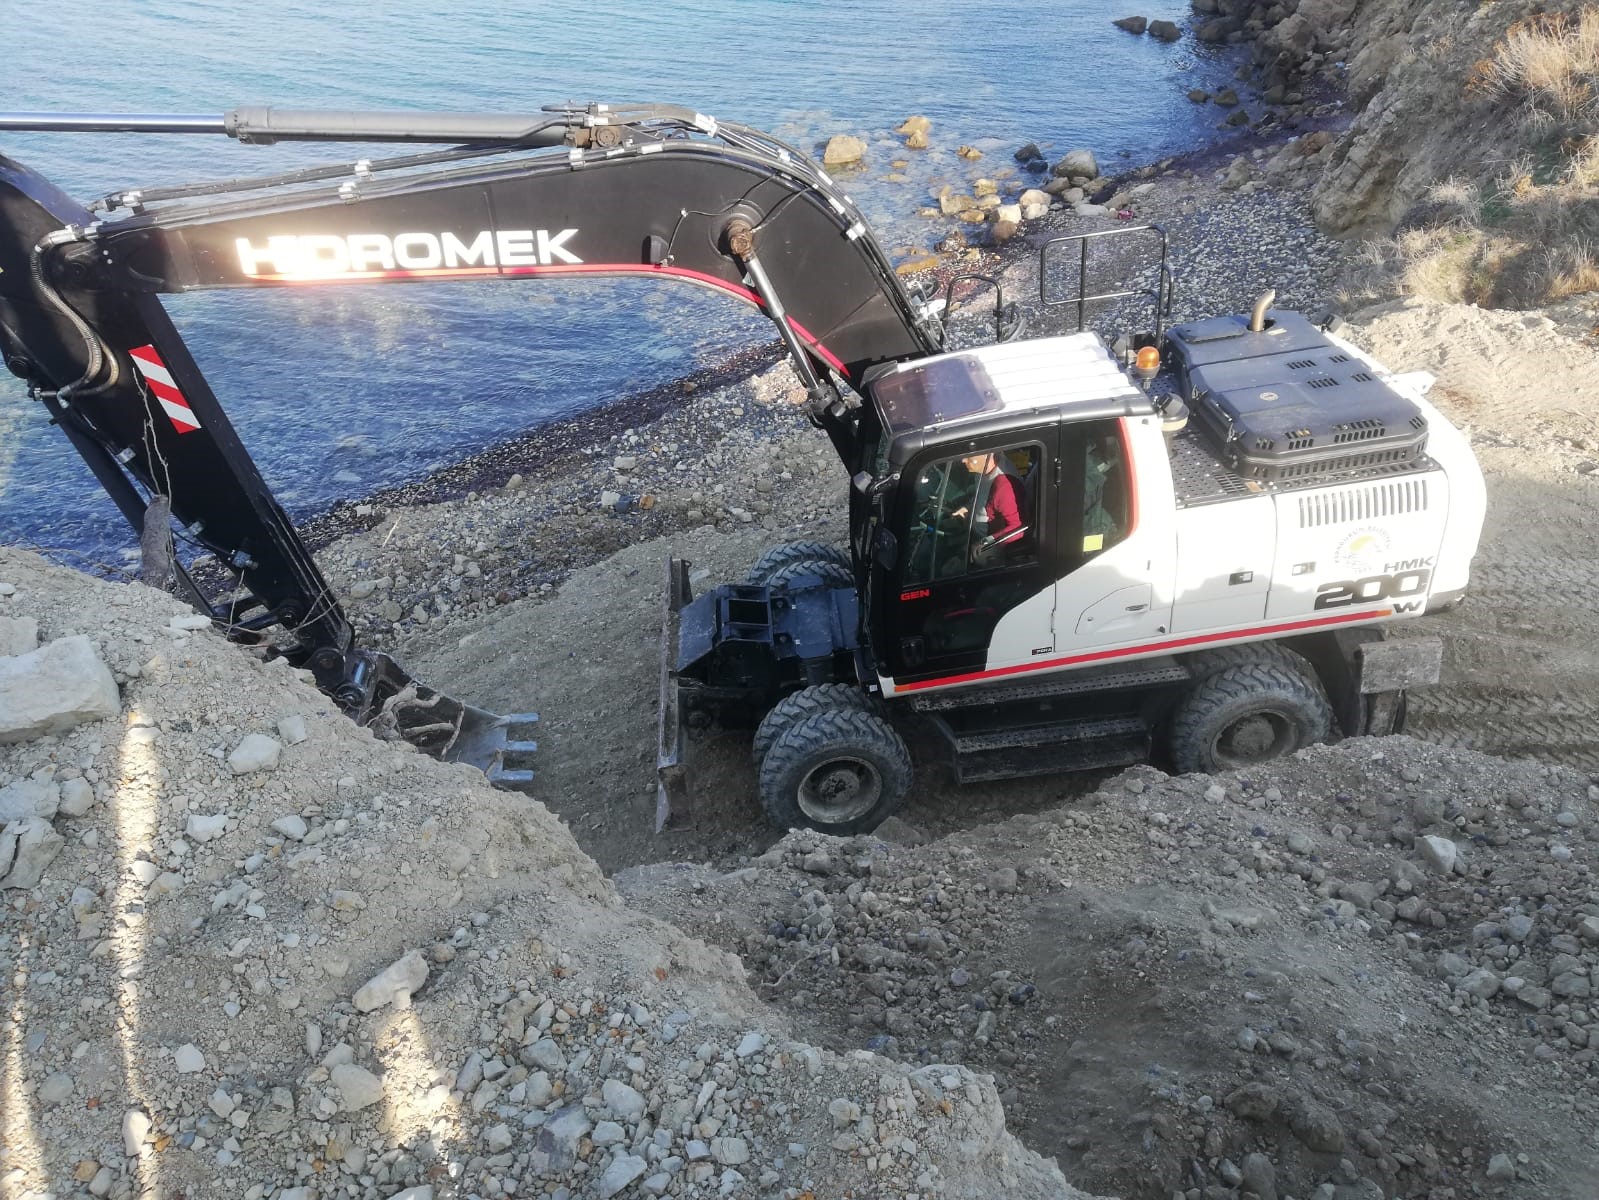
column 1188, row 544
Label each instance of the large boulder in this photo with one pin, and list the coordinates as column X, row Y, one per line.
column 843, row 150
column 1166, row 31
column 53, row 689
column 1132, row 24
column 1078, row 164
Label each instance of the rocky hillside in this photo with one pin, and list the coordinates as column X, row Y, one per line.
column 246, row 950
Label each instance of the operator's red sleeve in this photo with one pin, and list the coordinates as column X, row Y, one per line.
column 1003, row 509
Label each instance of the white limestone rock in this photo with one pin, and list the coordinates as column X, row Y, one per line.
column 53, row 689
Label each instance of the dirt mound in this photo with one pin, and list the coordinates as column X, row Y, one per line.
column 1522, row 652
column 273, row 957
column 1367, row 971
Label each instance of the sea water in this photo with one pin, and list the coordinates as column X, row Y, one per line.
column 340, row 391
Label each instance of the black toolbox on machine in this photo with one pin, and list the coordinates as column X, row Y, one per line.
column 1286, row 403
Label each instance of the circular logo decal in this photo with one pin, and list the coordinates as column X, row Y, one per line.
column 1363, row 550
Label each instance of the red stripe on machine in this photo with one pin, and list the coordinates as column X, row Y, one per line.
column 1200, row 639
column 165, row 390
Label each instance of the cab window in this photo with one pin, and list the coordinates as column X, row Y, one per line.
column 1107, row 491
column 974, row 513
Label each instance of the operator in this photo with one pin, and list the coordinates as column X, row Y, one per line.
column 999, row 501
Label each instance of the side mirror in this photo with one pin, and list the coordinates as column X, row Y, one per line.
column 885, row 549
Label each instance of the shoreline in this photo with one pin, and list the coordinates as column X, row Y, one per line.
column 541, row 445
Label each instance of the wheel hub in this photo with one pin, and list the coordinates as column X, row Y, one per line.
column 1257, row 737
column 839, row 791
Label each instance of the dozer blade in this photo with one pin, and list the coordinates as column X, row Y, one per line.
column 671, row 768
column 400, row 708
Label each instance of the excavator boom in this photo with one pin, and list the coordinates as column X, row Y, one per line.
column 636, row 191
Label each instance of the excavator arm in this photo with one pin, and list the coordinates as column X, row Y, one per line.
column 645, row 191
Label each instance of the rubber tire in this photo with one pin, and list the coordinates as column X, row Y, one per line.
column 785, row 553
column 821, row 697
column 1205, row 663
column 831, row 574
column 811, row 743
column 1234, row 693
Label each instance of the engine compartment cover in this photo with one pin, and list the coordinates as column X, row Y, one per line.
column 1286, row 402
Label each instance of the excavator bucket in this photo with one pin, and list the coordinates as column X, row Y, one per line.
column 400, row 708
column 671, row 766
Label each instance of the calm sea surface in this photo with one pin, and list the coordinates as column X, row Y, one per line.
column 339, row 391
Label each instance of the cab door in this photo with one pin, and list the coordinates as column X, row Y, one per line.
column 1118, row 535
column 961, row 571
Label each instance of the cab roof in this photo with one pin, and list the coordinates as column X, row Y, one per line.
column 996, row 386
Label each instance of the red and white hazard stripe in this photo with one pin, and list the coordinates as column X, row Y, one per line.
column 164, row 389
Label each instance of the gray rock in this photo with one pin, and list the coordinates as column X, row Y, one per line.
column 1439, row 852
column 470, row 1074
column 29, row 798
column 894, row 829
column 358, row 1088
column 27, row 847
column 1077, row 164
column 608, row 1133
column 1482, row 983
column 545, row 1054
column 537, row 1090
column 257, row 752
column 619, row 1173
column 77, row 797
column 1135, row 25
column 1002, row 880
column 292, row 729
column 1166, row 31
column 203, row 828
column 1519, row 927
column 1317, row 1127
column 1253, row 1102
column 55, row 1088
column 292, row 827
column 422, row 1191
column 187, row 1059
column 656, row 1185
column 18, row 635
column 625, row 1103
column 750, row 1044
column 499, row 1137
column 730, row 1151
column 53, row 689
column 556, row 1147
column 1260, row 1176
column 1501, row 1168
column 394, row 984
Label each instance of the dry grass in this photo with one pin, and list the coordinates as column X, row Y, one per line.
column 1527, row 233
column 1550, row 63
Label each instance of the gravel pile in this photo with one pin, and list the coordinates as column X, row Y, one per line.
column 260, row 954
column 1369, row 971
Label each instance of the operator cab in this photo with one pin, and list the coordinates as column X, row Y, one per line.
column 995, row 473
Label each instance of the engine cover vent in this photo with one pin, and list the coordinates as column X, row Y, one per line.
column 1369, row 502
column 1285, row 403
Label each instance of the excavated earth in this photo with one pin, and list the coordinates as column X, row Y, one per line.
column 251, row 951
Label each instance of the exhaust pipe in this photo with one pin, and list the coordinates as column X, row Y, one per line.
column 1257, row 315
